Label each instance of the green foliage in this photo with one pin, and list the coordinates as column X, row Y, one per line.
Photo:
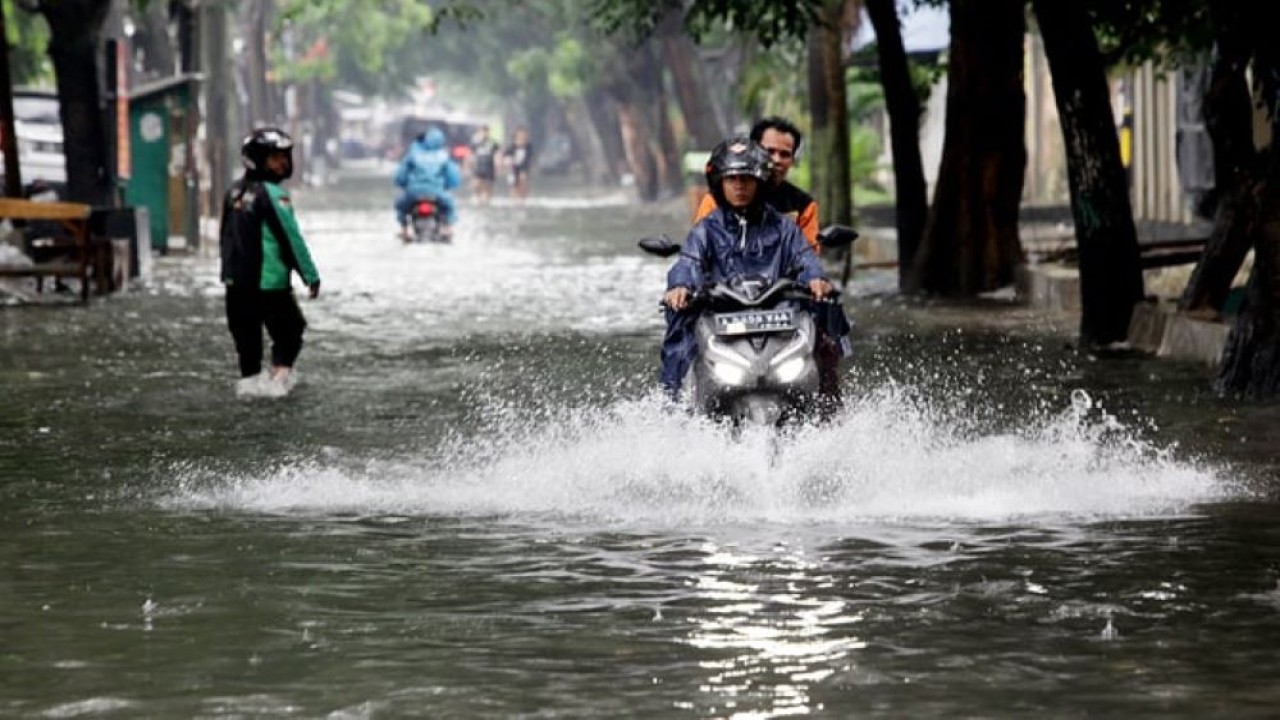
column 773, row 82
column 366, row 43
column 771, row 22
column 1168, row 32
column 562, row 68
column 28, row 38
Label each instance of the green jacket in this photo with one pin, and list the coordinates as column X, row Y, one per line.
column 261, row 242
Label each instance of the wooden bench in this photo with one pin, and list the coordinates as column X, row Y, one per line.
column 77, row 254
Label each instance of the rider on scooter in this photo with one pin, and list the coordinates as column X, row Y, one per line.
column 742, row 236
column 427, row 172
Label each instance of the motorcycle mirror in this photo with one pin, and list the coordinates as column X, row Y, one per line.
column 837, row 236
column 659, row 245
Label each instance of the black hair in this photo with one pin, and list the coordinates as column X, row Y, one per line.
column 781, row 124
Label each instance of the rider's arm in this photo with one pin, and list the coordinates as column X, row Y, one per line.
column 688, row 269
column 280, row 219
column 452, row 175
column 402, row 171
column 802, row 255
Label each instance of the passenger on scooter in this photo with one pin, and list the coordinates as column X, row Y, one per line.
column 743, row 235
column 427, row 172
column 781, row 139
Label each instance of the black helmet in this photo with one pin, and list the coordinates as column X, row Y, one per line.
column 259, row 144
column 736, row 156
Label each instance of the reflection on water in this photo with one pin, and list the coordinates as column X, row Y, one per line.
column 475, row 505
column 769, row 633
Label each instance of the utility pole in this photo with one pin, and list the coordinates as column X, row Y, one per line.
column 213, row 43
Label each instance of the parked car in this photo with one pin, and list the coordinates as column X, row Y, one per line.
column 39, row 133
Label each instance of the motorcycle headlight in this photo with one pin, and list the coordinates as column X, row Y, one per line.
column 789, row 369
column 728, row 373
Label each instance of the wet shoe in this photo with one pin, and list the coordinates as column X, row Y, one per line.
column 253, row 386
column 282, row 381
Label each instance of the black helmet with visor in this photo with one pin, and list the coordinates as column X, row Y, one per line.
column 259, row 145
column 737, row 156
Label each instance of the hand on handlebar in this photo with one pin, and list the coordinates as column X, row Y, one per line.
column 677, row 298
column 820, row 288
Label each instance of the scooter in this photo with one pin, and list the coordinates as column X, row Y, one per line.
column 755, row 339
column 427, row 223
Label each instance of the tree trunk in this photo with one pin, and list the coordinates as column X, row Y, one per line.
column 260, row 108
column 1110, row 272
column 608, row 130
column 910, row 188
column 970, row 244
column 1251, row 358
column 644, row 125
column 184, row 19
column 829, row 109
column 680, row 56
column 1228, row 110
column 8, row 142
column 575, row 120
column 636, row 139
column 74, row 27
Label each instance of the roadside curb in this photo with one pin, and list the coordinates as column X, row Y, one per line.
column 1156, row 328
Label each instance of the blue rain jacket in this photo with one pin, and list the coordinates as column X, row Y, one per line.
column 427, row 170
column 723, row 245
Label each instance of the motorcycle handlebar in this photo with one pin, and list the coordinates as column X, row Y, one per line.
column 701, row 297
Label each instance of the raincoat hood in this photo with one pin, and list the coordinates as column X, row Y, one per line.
column 432, row 140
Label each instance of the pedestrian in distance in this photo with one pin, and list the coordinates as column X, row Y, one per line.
column 519, row 160
column 262, row 248
column 483, row 161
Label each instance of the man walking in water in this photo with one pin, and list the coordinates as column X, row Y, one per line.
column 261, row 249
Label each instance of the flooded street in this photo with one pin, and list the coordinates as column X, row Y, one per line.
column 476, row 505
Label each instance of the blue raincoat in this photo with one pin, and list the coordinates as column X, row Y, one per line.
column 427, row 171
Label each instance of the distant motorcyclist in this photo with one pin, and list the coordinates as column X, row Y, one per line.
column 743, row 235
column 427, row 173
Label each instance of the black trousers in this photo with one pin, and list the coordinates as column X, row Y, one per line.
column 248, row 310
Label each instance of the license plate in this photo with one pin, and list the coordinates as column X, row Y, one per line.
column 755, row 321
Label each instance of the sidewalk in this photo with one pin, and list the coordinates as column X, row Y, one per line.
column 1046, row 282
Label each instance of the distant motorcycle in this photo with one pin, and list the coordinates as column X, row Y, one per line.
column 756, row 338
column 427, row 223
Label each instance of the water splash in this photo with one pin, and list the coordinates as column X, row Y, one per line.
column 889, row 457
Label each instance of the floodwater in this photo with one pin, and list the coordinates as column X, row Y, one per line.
column 474, row 505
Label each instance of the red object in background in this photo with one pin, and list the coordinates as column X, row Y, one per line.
column 461, row 152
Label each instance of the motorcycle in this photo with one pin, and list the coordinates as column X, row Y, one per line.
column 755, row 340
column 427, row 223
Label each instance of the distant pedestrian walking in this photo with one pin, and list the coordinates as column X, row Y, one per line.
column 519, row 160
column 262, row 247
column 483, row 161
